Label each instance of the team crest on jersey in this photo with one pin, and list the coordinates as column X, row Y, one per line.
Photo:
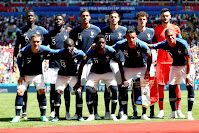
column 80, row 36
column 119, row 35
column 65, row 37
column 125, row 52
column 92, row 34
column 179, row 51
column 41, row 56
column 148, row 36
column 169, row 52
column 107, row 58
column 138, row 54
column 26, row 37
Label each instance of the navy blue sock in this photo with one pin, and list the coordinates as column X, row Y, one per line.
column 89, row 99
column 114, row 98
column 42, row 103
column 172, row 97
column 18, row 104
column 107, row 99
column 79, row 102
column 95, row 101
column 25, row 98
column 152, row 110
column 57, row 104
column 67, row 98
column 123, row 92
column 52, row 97
column 190, row 97
column 134, row 107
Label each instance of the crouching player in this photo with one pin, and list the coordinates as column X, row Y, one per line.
column 70, row 58
column 134, row 66
column 179, row 51
column 101, row 56
column 29, row 62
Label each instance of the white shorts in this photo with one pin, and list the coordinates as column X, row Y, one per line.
column 115, row 69
column 85, row 73
column 63, row 81
column 108, row 78
column 178, row 74
column 130, row 73
column 52, row 75
column 37, row 80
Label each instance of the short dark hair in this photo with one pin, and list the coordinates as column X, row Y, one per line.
column 142, row 13
column 130, row 30
column 113, row 12
column 165, row 10
column 60, row 16
column 84, row 10
column 167, row 31
column 29, row 11
column 99, row 36
column 69, row 41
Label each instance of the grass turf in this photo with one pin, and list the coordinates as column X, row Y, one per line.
column 7, row 111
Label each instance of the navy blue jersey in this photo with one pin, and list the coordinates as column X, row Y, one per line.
column 113, row 36
column 24, row 35
column 56, row 41
column 84, row 38
column 30, row 63
column 146, row 36
column 133, row 57
column 178, row 53
column 101, row 62
column 69, row 66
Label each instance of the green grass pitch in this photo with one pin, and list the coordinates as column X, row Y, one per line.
column 7, row 111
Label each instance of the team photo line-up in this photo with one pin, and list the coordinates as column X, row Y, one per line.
column 80, row 57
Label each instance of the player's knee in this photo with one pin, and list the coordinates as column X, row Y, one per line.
column 59, row 91
column 20, row 92
column 41, row 91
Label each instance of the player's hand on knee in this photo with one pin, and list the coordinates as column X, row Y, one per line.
column 21, row 79
column 60, row 91
column 189, row 82
column 77, row 85
column 125, row 84
column 20, row 92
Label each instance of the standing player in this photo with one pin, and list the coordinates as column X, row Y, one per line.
column 83, row 36
column 164, row 61
column 145, row 34
column 113, row 33
column 69, row 58
column 135, row 65
column 55, row 40
column 100, row 56
column 180, row 70
column 23, row 39
column 29, row 62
